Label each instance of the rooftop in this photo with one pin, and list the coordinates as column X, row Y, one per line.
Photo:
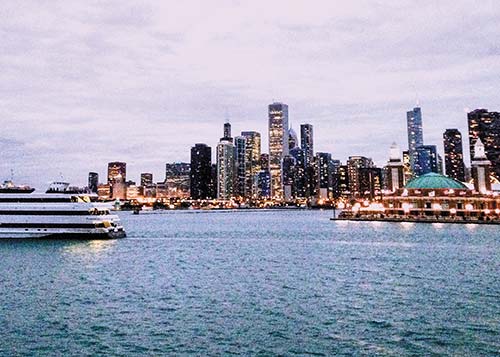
column 433, row 180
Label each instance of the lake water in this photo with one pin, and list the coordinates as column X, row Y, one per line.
column 255, row 283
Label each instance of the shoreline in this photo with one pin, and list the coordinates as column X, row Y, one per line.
column 406, row 220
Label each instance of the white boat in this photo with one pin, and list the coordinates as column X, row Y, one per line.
column 56, row 215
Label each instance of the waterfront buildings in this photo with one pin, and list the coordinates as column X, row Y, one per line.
column 415, row 137
column 93, row 181
column 485, row 125
column 453, row 154
column 201, row 172
column 278, row 145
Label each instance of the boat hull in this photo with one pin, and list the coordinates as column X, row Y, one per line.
column 62, row 235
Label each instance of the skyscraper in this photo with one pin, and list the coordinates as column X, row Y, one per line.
column 240, row 168
column 298, row 188
column 427, row 160
column 117, row 172
column 307, row 142
column 288, row 166
column 146, row 179
column 201, row 172
column 354, row 164
column 278, row 145
column 252, row 161
column 324, row 174
column 293, row 140
column 225, row 165
column 227, row 132
column 453, row 154
column 486, row 126
column 93, row 181
column 415, row 137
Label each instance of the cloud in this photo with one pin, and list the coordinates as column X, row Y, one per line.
column 87, row 82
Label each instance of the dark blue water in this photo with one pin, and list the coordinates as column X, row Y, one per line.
column 255, row 283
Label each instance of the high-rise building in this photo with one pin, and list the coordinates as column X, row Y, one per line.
column 354, row 164
column 324, row 174
column 93, row 181
column 298, row 188
column 226, row 165
column 288, row 166
column 427, row 160
column 453, row 154
column 177, row 181
column 117, row 172
column 252, row 160
column 335, row 164
column 146, row 179
column 264, row 184
column 481, row 168
column 485, row 125
column 415, row 137
column 293, row 140
column 240, row 144
column 117, row 175
column 343, row 181
column 227, row 132
column 264, row 161
column 370, row 182
column 395, row 169
column 307, row 142
column 407, row 165
column 278, row 145
column 201, row 172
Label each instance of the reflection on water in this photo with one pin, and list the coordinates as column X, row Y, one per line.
column 89, row 248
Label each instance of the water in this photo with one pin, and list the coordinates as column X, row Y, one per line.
column 255, row 283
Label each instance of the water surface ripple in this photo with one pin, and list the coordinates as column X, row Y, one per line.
column 255, row 283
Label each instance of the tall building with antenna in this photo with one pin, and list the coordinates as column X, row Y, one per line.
column 415, row 137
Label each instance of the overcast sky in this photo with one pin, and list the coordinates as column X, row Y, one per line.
column 83, row 83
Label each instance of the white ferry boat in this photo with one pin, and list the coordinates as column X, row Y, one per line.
column 59, row 214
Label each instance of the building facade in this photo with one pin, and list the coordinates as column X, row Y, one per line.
column 252, row 161
column 201, row 172
column 307, row 142
column 278, row 145
column 93, row 181
column 485, row 125
column 415, row 137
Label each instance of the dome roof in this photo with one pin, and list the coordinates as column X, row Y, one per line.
column 433, row 180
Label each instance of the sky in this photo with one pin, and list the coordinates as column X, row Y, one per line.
column 83, row 83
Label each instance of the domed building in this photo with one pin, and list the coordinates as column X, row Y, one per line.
column 431, row 198
column 438, row 196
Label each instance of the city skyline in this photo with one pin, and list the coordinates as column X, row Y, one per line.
column 154, row 86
